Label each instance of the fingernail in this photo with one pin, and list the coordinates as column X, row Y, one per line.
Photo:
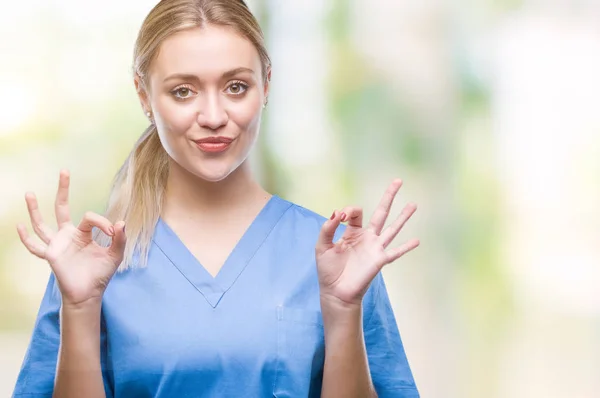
column 111, row 230
column 343, row 217
column 332, row 216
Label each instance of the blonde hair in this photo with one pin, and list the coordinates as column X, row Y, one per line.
column 139, row 186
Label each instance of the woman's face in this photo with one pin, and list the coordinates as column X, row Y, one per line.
column 206, row 83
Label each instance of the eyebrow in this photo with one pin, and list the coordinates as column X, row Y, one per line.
column 228, row 74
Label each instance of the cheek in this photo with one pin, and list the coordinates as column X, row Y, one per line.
column 173, row 118
column 246, row 115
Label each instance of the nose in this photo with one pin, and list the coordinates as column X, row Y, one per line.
column 212, row 114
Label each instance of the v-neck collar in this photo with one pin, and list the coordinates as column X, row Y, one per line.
column 213, row 288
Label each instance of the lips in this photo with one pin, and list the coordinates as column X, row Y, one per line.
column 214, row 140
column 213, row 144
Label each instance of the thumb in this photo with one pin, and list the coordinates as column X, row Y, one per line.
column 328, row 229
column 117, row 246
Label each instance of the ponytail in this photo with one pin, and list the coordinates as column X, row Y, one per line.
column 136, row 196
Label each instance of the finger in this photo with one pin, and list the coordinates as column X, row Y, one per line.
column 354, row 216
column 91, row 220
column 383, row 209
column 325, row 240
column 396, row 253
column 119, row 240
column 34, row 247
column 37, row 222
column 61, row 205
column 388, row 235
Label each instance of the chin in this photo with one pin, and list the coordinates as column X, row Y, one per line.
column 214, row 172
column 212, row 175
column 214, row 169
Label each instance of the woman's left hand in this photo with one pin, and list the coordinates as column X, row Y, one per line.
column 347, row 267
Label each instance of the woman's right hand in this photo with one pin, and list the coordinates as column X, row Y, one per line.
column 82, row 267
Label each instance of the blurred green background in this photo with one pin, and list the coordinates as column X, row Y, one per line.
column 487, row 110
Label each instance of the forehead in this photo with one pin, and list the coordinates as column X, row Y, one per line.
column 206, row 52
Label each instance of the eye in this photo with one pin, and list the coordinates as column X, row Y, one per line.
column 237, row 88
column 182, row 92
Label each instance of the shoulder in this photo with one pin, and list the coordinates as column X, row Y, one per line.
column 297, row 210
column 301, row 218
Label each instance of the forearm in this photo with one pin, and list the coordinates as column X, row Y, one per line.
column 346, row 370
column 78, row 372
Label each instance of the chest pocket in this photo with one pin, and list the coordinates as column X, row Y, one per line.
column 300, row 353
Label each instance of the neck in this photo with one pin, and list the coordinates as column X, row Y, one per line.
column 191, row 198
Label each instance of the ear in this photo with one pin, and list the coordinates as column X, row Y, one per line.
column 142, row 93
column 267, row 83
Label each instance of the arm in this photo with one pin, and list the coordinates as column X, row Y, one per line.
column 346, row 370
column 63, row 359
column 365, row 360
column 349, row 271
column 79, row 370
column 40, row 375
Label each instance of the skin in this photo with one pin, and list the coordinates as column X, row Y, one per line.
column 223, row 97
column 346, row 268
column 213, row 101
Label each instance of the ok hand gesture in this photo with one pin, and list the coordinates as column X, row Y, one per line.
column 347, row 267
column 82, row 267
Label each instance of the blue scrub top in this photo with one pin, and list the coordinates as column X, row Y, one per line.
column 255, row 330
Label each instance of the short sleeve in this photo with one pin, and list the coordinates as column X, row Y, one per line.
column 37, row 373
column 388, row 364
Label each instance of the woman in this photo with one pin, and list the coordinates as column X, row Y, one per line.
column 223, row 289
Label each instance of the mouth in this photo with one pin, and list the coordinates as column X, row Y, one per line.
column 214, row 144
